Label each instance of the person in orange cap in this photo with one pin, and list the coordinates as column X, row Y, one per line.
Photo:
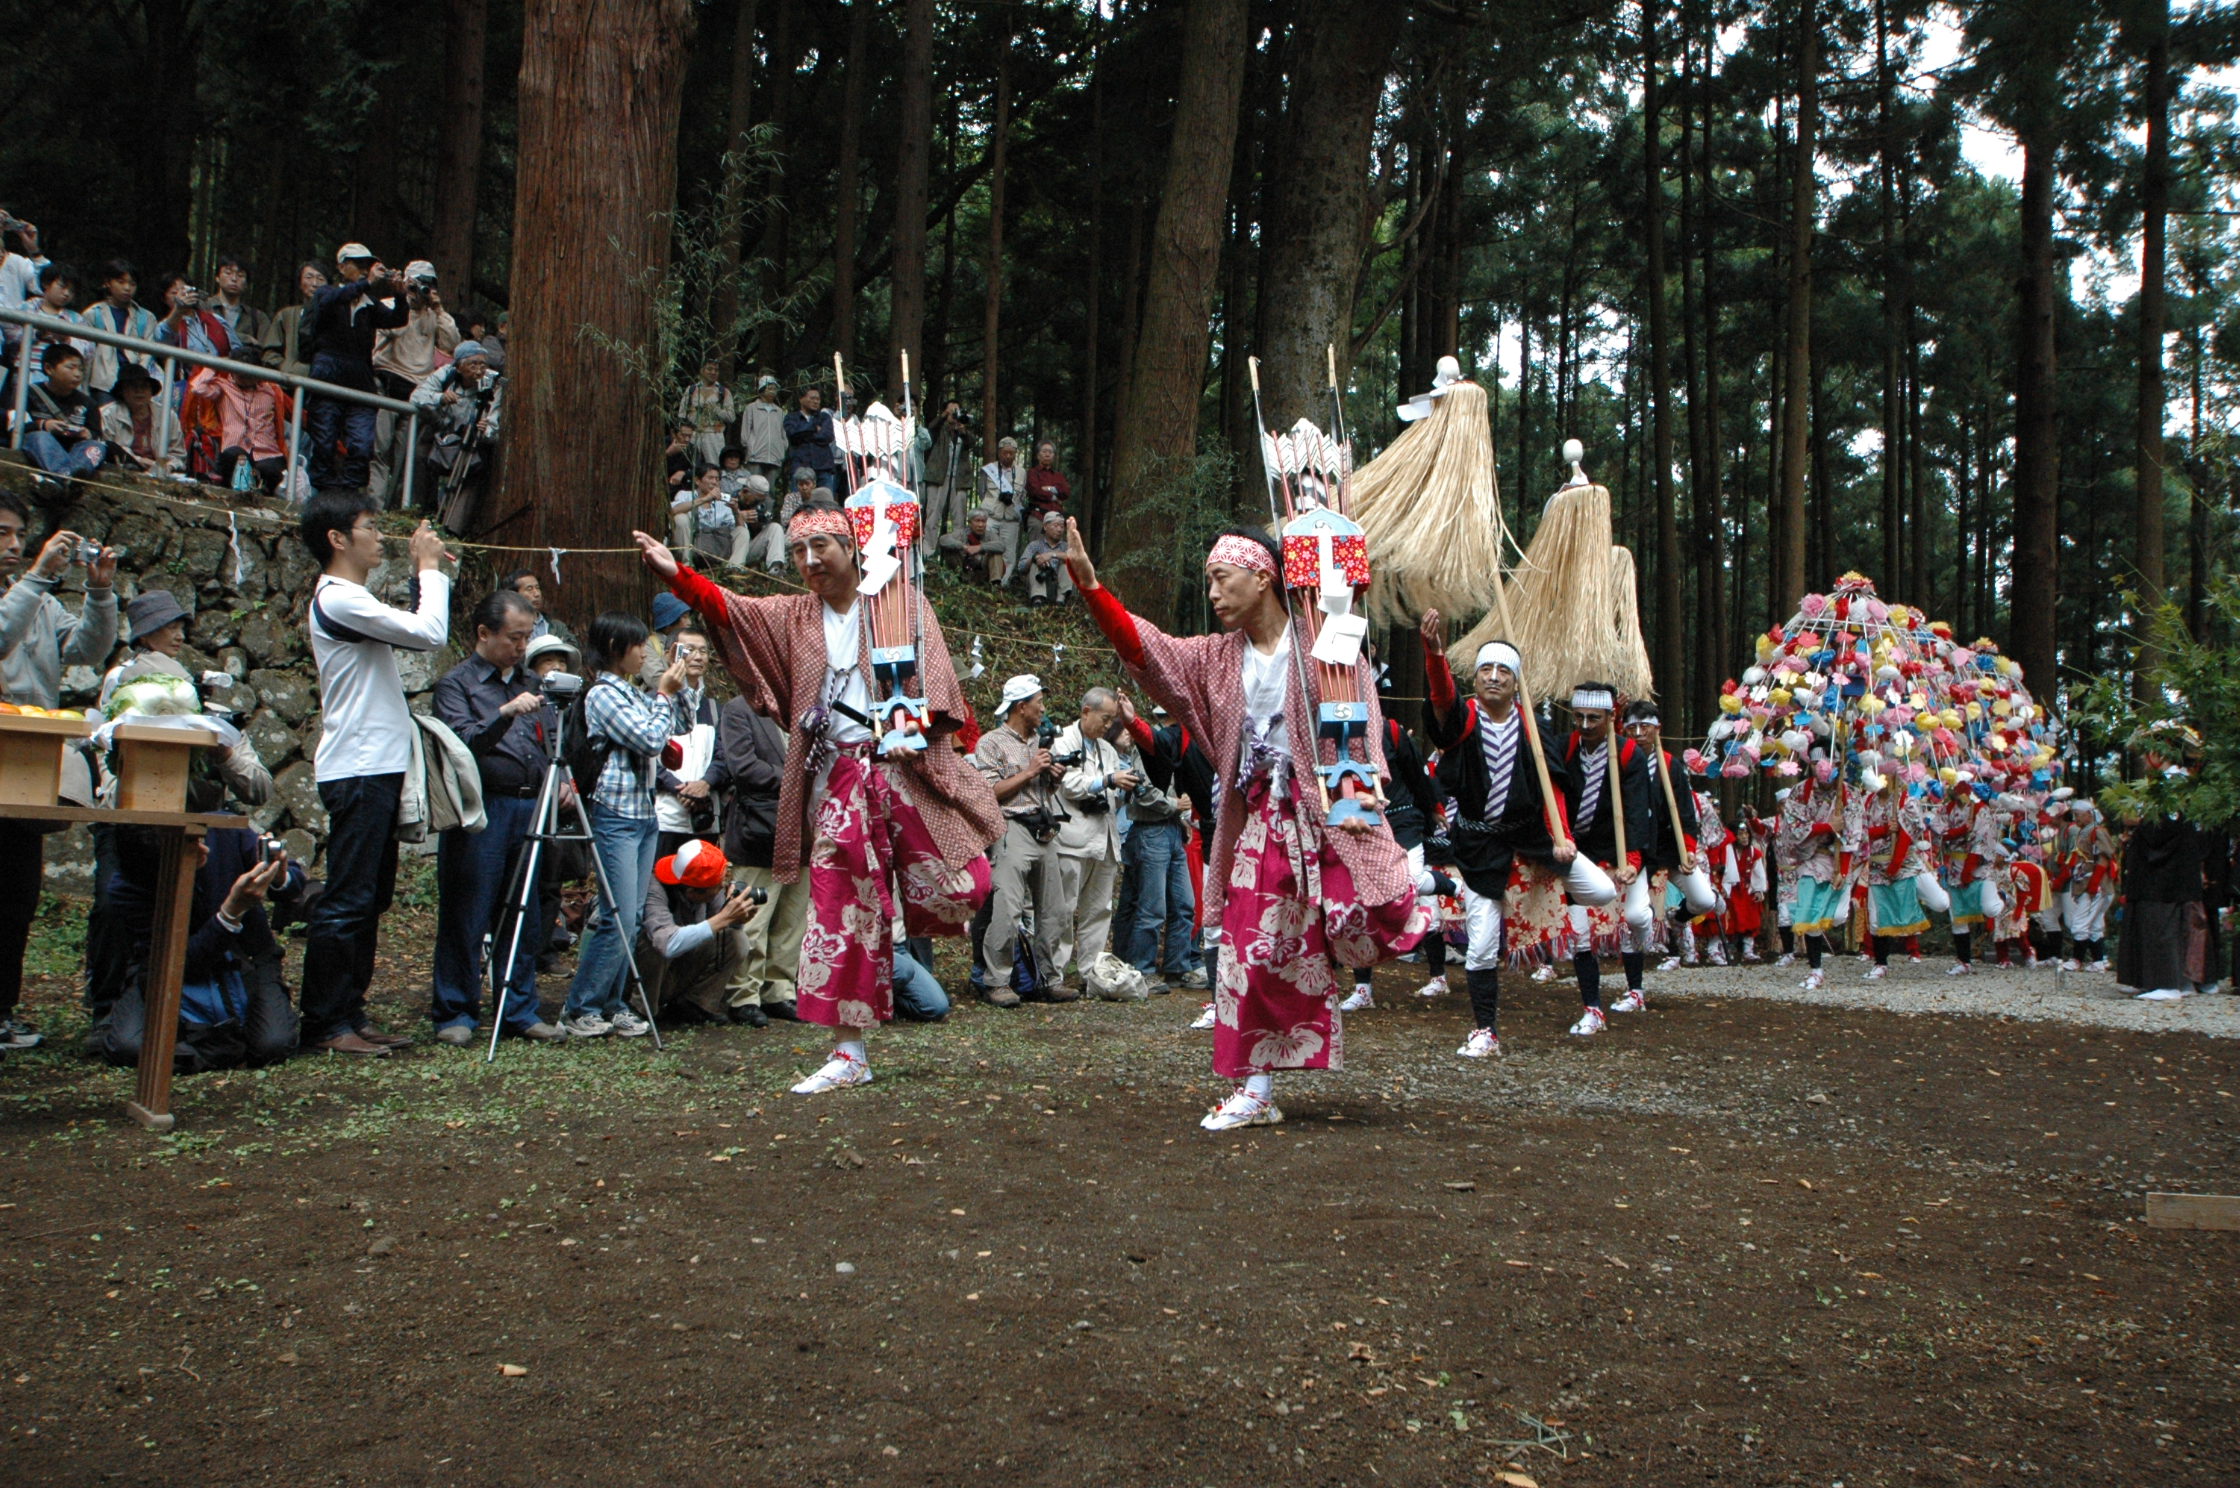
column 690, row 937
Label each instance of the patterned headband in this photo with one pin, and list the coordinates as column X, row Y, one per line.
column 1241, row 552
column 809, row 521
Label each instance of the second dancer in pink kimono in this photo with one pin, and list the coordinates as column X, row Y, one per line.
column 1288, row 891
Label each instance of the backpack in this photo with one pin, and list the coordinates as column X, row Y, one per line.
column 587, row 757
column 1029, row 977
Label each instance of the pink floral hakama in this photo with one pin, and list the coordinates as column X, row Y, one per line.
column 869, row 839
column 1286, row 913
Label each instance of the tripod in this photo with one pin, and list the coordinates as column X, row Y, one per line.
column 522, row 896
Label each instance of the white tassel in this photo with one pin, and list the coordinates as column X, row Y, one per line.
column 557, row 555
column 233, row 542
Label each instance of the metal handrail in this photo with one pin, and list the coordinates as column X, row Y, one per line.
column 173, row 355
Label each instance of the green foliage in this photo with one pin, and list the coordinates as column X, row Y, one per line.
column 1187, row 501
column 2196, row 683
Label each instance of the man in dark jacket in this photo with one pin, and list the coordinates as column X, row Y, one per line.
column 1179, row 781
column 752, row 751
column 809, row 439
column 1500, row 812
column 338, row 331
column 233, row 1006
column 1412, row 810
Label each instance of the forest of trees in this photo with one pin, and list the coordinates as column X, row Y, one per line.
column 1737, row 249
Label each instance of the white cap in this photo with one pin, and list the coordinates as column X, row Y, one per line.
column 349, row 251
column 420, row 271
column 1500, row 653
column 1017, row 690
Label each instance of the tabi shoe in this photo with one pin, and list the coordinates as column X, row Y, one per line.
column 839, row 1072
column 2070, row 963
column 1591, row 1022
column 586, row 1025
column 1361, row 998
column 1814, row 981
column 2101, row 965
column 2164, row 994
column 629, row 1024
column 1436, row 987
column 1546, row 973
column 1877, row 973
column 1482, row 1044
column 457, row 1035
column 1205, row 1019
column 1786, row 958
column 1962, row 968
column 1719, row 954
column 1750, row 956
column 1631, row 1002
column 350, row 1043
column 1669, row 963
column 1242, row 1109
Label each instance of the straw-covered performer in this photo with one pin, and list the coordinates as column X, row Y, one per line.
column 873, row 821
column 1289, row 889
column 1500, row 814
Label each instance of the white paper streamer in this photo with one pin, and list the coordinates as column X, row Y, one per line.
column 233, row 541
column 557, row 555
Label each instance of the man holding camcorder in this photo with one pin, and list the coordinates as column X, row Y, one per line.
column 1016, row 760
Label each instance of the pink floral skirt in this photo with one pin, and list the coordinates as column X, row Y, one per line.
column 1287, row 912
column 869, row 841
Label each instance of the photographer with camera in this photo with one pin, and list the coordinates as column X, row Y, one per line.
column 692, row 936
column 1016, row 759
column 493, row 703
column 186, row 322
column 338, row 330
column 461, row 402
column 38, row 638
column 1097, row 782
column 403, row 358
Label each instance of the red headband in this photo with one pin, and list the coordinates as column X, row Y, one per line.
column 1241, row 552
column 809, row 521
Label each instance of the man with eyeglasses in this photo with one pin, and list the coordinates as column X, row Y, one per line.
column 685, row 798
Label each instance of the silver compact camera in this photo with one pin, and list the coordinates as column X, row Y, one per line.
column 89, row 551
column 561, row 684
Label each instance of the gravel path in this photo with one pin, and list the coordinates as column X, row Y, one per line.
column 2042, row 994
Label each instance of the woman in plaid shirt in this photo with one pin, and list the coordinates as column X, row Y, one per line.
column 630, row 730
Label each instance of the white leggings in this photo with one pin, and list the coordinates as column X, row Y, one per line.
column 1482, row 916
column 1640, row 919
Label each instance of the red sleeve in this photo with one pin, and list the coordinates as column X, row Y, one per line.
column 1438, row 677
column 703, row 594
column 1113, row 619
column 1140, row 731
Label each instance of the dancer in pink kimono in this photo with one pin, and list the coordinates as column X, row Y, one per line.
column 871, row 825
column 1289, row 892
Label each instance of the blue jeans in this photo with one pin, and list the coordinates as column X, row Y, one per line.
column 345, row 927
column 57, row 458
column 627, row 848
column 917, row 995
column 330, row 421
column 473, row 871
column 1159, row 851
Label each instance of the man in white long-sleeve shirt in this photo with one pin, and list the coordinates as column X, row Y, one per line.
column 365, row 747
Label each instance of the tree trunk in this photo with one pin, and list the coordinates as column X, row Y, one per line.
column 1711, row 500
column 785, row 57
column 1313, row 236
column 733, row 203
column 1893, row 575
column 2197, row 498
column 602, row 85
column 162, row 167
column 2037, row 449
column 1796, row 402
column 1671, row 625
column 1157, row 427
column 1091, row 500
column 912, row 171
column 459, row 147
column 2154, row 209
column 847, row 197
column 992, row 317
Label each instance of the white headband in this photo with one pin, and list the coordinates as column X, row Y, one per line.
column 1593, row 697
column 1501, row 653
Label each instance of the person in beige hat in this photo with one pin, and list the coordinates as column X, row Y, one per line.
column 402, row 359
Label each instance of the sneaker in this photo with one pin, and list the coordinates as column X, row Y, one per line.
column 586, row 1025
column 1719, row 955
column 457, row 1035
column 1962, row 968
column 1631, row 1002
column 2070, row 963
column 1205, row 1019
column 1482, row 1044
column 1750, row 957
column 1194, row 981
column 541, row 1032
column 1544, row 974
column 1002, row 997
column 1590, row 1022
column 1361, row 998
column 1814, row 981
column 840, row 1071
column 17, row 1034
column 1436, row 987
column 1877, row 973
column 1669, row 963
column 1786, row 958
column 2100, row 965
column 1242, row 1109
column 629, row 1024
column 2164, row 994
column 1916, row 960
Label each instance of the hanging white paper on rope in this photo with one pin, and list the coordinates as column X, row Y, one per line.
column 557, row 555
column 233, row 542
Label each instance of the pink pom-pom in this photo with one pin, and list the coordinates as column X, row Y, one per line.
column 1786, row 767
column 1737, row 768
column 1814, row 605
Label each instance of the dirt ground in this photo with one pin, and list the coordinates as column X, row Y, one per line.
column 1733, row 1241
